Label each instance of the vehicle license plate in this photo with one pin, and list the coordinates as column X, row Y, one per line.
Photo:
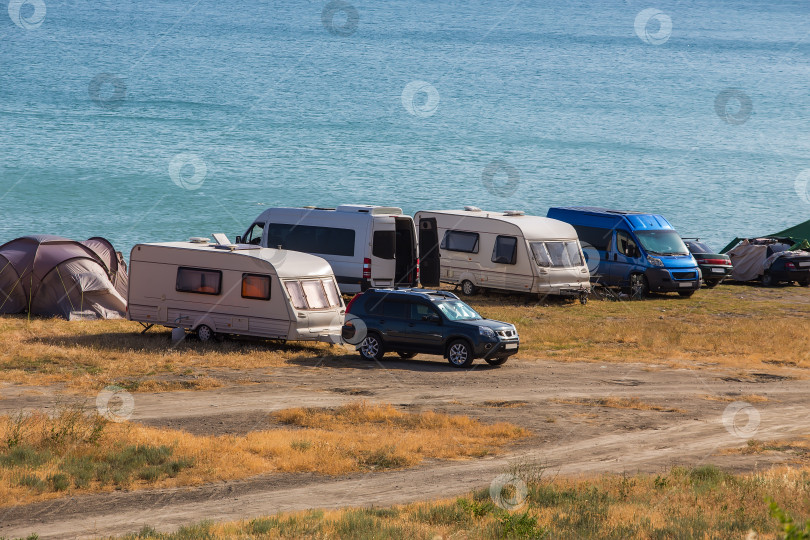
column 511, row 346
column 688, row 284
column 718, row 270
column 804, row 264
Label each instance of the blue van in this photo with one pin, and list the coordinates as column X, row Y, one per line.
column 638, row 252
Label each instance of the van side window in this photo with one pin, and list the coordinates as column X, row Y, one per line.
column 256, row 286
column 254, row 234
column 505, row 251
column 465, row 242
column 597, row 238
column 311, row 239
column 384, row 244
column 625, row 245
column 198, row 280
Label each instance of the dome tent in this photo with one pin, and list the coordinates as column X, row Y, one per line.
column 53, row 276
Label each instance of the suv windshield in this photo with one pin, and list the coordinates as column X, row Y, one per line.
column 456, row 310
column 662, row 242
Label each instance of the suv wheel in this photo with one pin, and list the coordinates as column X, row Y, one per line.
column 460, row 354
column 467, row 288
column 372, row 348
column 768, row 281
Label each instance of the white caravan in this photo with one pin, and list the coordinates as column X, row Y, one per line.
column 234, row 289
column 367, row 246
column 501, row 250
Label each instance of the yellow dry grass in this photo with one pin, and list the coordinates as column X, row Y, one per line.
column 355, row 437
column 703, row 502
column 617, row 403
column 731, row 326
column 735, row 326
column 749, row 398
column 797, row 451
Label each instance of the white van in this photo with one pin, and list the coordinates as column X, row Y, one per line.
column 501, row 250
column 367, row 246
column 234, row 289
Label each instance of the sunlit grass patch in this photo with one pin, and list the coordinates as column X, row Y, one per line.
column 700, row 502
column 43, row 457
column 617, row 403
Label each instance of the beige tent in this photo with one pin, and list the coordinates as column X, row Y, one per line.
column 53, row 276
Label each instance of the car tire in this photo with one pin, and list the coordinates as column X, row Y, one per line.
column 687, row 294
column 768, row 281
column 496, row 361
column 468, row 288
column 406, row 355
column 712, row 283
column 460, row 354
column 804, row 283
column 639, row 287
column 372, row 348
column 205, row 334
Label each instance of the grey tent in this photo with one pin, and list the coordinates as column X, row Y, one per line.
column 53, row 276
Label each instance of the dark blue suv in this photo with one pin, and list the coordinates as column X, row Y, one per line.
column 411, row 321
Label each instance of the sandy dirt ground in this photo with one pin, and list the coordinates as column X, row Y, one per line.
column 567, row 438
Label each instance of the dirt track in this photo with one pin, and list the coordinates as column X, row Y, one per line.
column 568, row 438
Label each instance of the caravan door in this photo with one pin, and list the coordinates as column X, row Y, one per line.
column 429, row 265
column 383, row 253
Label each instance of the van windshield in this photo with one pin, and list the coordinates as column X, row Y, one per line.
column 665, row 242
column 456, row 310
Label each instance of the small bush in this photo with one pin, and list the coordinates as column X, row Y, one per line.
column 59, row 481
column 31, row 481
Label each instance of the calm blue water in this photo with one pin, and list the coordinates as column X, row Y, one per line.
column 279, row 111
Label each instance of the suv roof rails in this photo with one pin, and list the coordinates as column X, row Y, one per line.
column 425, row 292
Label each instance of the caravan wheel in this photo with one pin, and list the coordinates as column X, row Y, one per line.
column 467, row 288
column 204, row 333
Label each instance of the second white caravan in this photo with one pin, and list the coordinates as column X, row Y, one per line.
column 507, row 251
column 367, row 246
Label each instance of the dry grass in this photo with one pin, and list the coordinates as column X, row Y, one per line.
column 797, row 451
column 355, row 437
column 704, row 502
column 93, row 354
column 730, row 326
column 633, row 403
column 748, row 398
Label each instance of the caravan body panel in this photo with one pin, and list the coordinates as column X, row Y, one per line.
column 245, row 290
column 495, row 250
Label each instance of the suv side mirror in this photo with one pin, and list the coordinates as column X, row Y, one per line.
column 238, row 240
column 432, row 318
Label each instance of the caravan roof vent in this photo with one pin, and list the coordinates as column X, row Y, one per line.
column 472, row 209
column 199, row 240
column 514, row 213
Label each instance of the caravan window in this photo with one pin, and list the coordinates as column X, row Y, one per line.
column 466, row 242
column 557, row 254
column 332, row 293
column 315, row 295
column 310, row 239
column 505, row 251
column 198, row 280
column 296, row 294
column 256, row 286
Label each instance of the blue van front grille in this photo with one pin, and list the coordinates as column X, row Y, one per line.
column 684, row 275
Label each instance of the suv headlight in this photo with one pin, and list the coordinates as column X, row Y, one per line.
column 655, row 261
column 486, row 331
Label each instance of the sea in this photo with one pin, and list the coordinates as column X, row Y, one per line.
column 147, row 120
